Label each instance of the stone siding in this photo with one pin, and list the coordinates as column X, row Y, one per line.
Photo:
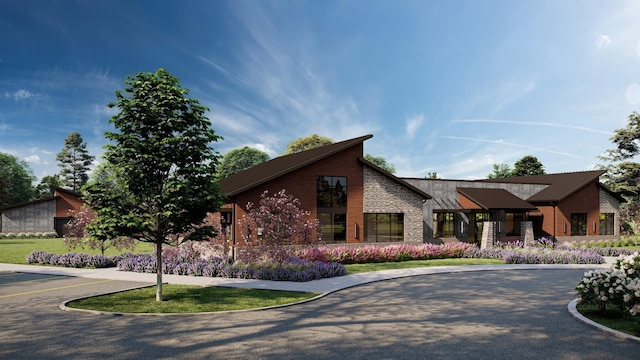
column 609, row 204
column 383, row 195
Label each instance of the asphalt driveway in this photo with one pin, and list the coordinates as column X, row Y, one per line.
column 505, row 314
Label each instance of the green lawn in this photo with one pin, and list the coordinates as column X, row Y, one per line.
column 189, row 299
column 15, row 251
column 614, row 319
column 360, row 268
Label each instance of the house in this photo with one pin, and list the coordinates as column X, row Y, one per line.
column 48, row 214
column 566, row 206
column 354, row 200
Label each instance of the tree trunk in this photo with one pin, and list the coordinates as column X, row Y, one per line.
column 159, row 271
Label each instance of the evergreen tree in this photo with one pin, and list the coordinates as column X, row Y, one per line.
column 74, row 159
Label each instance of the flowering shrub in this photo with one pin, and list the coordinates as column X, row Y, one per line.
column 70, row 260
column 396, row 252
column 536, row 255
column 618, row 286
column 76, row 234
column 292, row 269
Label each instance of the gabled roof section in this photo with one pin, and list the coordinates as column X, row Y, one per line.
column 277, row 167
column 561, row 185
column 392, row 177
column 494, row 199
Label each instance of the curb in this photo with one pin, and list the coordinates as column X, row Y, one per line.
column 619, row 334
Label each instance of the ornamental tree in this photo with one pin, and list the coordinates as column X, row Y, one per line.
column 76, row 234
column 275, row 223
column 161, row 156
column 307, row 143
column 380, row 162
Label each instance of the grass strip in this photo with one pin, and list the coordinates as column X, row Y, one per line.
column 360, row 268
column 189, row 299
column 614, row 318
column 15, row 251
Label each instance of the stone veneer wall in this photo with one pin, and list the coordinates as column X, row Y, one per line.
column 609, row 204
column 383, row 195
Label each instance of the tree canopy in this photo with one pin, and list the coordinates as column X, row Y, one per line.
column 240, row 159
column 527, row 165
column 380, row 162
column 161, row 154
column 307, row 143
column 17, row 178
column 43, row 189
column 623, row 174
column 74, row 161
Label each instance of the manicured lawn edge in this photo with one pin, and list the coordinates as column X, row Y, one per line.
column 572, row 308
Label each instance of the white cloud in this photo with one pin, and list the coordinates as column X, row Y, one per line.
column 633, row 94
column 413, row 123
column 265, row 148
column 32, row 159
column 19, row 95
column 603, row 40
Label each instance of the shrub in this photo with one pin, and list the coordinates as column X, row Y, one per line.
column 618, row 286
column 70, row 260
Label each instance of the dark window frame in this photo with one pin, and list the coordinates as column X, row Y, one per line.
column 607, row 223
column 331, row 204
column 578, row 224
column 384, row 227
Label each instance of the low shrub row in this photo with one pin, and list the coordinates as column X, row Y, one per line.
column 292, row 269
column 536, row 255
column 76, row 260
column 30, row 235
column 618, row 286
column 390, row 253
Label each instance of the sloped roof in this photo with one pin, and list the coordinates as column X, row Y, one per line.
column 394, row 178
column 561, row 185
column 490, row 199
column 277, row 167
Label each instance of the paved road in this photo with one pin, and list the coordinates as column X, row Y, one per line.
column 506, row 314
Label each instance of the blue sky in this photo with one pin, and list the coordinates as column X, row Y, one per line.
column 444, row 86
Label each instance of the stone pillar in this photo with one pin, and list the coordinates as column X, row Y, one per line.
column 488, row 234
column 526, row 232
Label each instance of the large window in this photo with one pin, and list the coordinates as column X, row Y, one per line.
column 443, row 225
column 332, row 208
column 383, row 227
column 578, row 224
column 606, row 224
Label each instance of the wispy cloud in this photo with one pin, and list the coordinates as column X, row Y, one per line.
column 502, row 142
column 603, row 40
column 413, row 123
column 532, row 123
column 19, row 95
column 32, row 159
column 512, row 91
column 633, row 94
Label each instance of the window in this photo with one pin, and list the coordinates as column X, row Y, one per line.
column 513, row 223
column 383, row 227
column 331, row 194
column 606, row 224
column 578, row 224
column 443, row 225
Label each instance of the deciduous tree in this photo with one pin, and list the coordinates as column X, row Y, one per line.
column 527, row 165
column 76, row 234
column 500, row 171
column 161, row 154
column 18, row 178
column 276, row 222
column 43, row 189
column 240, row 159
column 74, row 161
column 307, row 143
column 623, row 173
column 380, row 162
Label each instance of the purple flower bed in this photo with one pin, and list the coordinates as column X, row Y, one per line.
column 77, row 260
column 535, row 255
column 293, row 269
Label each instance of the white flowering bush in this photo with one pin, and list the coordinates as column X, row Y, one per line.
column 618, row 286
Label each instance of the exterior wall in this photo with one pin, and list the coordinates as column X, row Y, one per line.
column 609, row 204
column 585, row 200
column 34, row 217
column 65, row 203
column 301, row 184
column 382, row 195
